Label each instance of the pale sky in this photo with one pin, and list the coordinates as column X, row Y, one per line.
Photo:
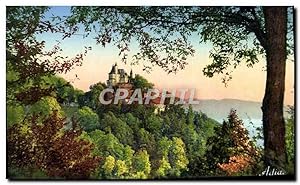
column 247, row 83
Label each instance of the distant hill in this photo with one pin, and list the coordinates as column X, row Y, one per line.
column 219, row 109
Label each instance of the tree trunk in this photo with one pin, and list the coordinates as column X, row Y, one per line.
column 273, row 121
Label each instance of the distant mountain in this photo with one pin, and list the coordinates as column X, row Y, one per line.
column 219, row 109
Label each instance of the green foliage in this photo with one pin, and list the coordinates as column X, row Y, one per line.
column 65, row 92
column 14, row 114
column 165, row 35
column 16, row 16
column 146, row 140
column 141, row 163
column 190, row 117
column 154, row 124
column 177, row 156
column 236, row 34
column 133, row 122
column 106, row 144
column 132, row 139
column 195, row 142
column 28, row 57
column 140, row 82
column 91, row 98
column 121, row 168
column 205, row 125
column 150, row 132
column 110, row 123
column 27, row 173
column 88, row 119
column 164, row 167
column 156, row 46
column 45, row 107
column 128, row 155
column 290, row 140
column 164, row 145
column 109, row 165
column 163, row 149
column 69, row 111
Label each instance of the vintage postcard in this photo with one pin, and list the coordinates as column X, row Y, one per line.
column 150, row 93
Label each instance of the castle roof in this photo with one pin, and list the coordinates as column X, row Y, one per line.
column 115, row 70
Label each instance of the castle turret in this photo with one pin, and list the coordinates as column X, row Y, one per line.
column 116, row 67
column 131, row 74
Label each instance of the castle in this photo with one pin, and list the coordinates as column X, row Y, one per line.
column 118, row 76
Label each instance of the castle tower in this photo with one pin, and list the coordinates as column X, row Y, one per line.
column 116, row 68
column 113, row 76
column 117, row 76
column 131, row 74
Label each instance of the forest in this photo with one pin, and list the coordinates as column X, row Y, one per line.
column 69, row 134
column 56, row 131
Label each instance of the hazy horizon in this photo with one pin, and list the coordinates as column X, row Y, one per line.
column 247, row 84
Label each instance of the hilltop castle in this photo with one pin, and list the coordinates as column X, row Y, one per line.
column 118, row 76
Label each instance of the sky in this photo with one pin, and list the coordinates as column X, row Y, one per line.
column 247, row 83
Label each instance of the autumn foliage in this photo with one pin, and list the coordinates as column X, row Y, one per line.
column 47, row 146
column 236, row 164
column 244, row 154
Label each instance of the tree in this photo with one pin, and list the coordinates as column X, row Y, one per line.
column 91, row 98
column 146, row 140
column 163, row 149
column 275, row 46
column 27, row 56
column 37, row 143
column 142, row 83
column 65, row 92
column 14, row 114
column 127, row 155
column 109, row 165
column 106, row 144
column 237, row 34
column 47, row 147
column 174, row 120
column 141, row 164
column 177, row 157
column 154, row 125
column 231, row 149
column 133, row 122
column 45, row 107
column 121, row 168
column 110, row 123
column 164, row 167
column 290, row 140
column 88, row 119
column 195, row 143
column 190, row 117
